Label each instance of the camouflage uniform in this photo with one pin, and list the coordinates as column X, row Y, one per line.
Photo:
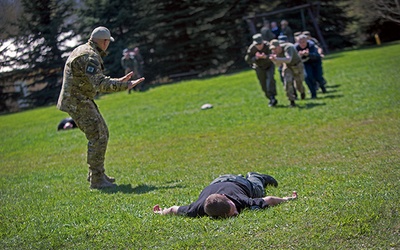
column 292, row 72
column 83, row 79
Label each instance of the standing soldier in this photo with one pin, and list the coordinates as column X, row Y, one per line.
column 287, row 31
column 266, row 32
column 292, row 70
column 258, row 57
column 128, row 63
column 139, row 66
column 83, row 79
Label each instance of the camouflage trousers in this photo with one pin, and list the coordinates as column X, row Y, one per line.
column 90, row 122
column 293, row 77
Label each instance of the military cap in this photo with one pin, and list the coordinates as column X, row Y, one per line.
column 273, row 44
column 257, row 38
column 298, row 33
column 102, row 33
column 282, row 38
column 302, row 36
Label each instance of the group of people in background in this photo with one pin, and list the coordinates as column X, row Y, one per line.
column 132, row 61
column 298, row 57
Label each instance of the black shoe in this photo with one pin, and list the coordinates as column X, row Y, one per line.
column 273, row 102
column 292, row 104
column 323, row 89
column 303, row 96
column 268, row 180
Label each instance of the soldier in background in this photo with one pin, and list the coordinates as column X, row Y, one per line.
column 139, row 67
column 315, row 41
column 266, row 32
column 318, row 45
column 275, row 29
column 257, row 57
column 293, row 69
column 128, row 63
column 312, row 62
column 83, row 79
column 287, row 31
column 296, row 35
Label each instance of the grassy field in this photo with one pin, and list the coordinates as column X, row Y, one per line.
column 341, row 153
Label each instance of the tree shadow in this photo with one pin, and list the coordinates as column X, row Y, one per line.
column 140, row 189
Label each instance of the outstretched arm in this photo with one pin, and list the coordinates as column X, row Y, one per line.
column 172, row 210
column 135, row 82
column 127, row 77
column 273, row 200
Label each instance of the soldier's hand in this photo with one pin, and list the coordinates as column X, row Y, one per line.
column 135, row 82
column 127, row 77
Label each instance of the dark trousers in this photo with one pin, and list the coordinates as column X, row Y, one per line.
column 253, row 182
column 314, row 75
column 267, row 81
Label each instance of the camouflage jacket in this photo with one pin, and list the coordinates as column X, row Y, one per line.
column 289, row 50
column 84, row 78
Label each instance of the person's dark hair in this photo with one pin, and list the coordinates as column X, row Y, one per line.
column 217, row 206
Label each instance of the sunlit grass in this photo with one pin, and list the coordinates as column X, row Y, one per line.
column 340, row 152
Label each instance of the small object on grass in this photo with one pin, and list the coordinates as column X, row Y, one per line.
column 206, row 106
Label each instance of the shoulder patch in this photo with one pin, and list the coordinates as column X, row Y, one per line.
column 90, row 69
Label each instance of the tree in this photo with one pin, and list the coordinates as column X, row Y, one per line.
column 174, row 36
column 387, row 9
column 10, row 12
column 368, row 21
column 38, row 44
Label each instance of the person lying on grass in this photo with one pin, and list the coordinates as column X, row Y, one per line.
column 228, row 195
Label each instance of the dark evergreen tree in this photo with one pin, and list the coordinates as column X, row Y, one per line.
column 121, row 17
column 38, row 46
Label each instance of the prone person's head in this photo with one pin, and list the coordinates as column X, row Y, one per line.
column 219, row 206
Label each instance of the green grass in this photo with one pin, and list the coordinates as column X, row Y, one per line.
column 341, row 153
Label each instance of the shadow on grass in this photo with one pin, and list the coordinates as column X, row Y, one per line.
column 140, row 189
column 300, row 106
column 332, row 56
column 310, row 105
column 327, row 96
column 333, row 86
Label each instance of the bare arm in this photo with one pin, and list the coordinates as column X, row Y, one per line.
column 273, row 200
column 172, row 210
column 135, row 82
column 280, row 60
